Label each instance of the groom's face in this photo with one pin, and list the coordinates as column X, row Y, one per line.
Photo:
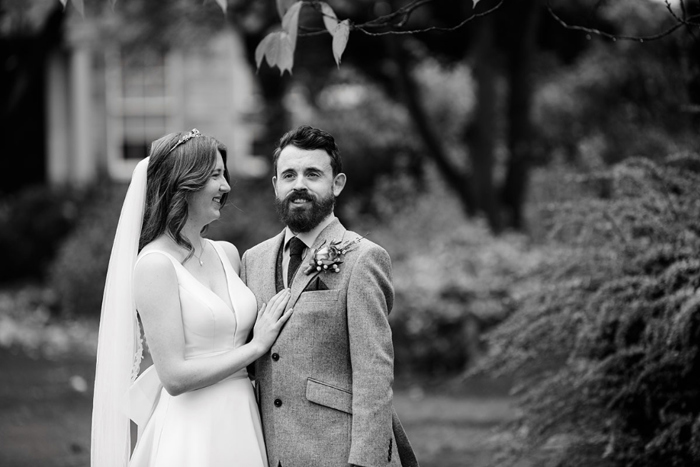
column 305, row 187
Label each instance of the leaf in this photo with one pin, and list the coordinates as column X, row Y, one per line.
column 222, row 4
column 290, row 23
column 284, row 5
column 263, row 46
column 474, row 2
column 340, row 39
column 278, row 51
column 330, row 20
column 285, row 60
column 78, row 4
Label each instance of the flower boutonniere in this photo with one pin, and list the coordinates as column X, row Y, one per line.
column 329, row 257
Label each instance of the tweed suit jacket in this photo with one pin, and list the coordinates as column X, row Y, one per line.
column 325, row 386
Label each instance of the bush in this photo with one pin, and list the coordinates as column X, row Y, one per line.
column 452, row 278
column 27, row 326
column 77, row 275
column 32, row 225
column 607, row 346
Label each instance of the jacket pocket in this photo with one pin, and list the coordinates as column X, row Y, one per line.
column 328, row 396
column 319, row 295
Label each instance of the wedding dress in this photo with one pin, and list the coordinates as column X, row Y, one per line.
column 218, row 425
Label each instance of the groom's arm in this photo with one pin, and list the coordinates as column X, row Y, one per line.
column 370, row 297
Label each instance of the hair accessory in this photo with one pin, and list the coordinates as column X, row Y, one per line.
column 193, row 133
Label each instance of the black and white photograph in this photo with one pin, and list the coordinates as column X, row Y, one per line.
column 350, row 233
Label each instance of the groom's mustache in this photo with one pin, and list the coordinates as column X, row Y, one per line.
column 301, row 194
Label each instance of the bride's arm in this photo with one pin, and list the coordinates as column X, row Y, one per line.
column 158, row 302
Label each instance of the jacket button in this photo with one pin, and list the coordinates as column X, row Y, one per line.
column 278, row 402
column 275, row 356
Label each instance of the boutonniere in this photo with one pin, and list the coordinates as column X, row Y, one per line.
column 329, row 257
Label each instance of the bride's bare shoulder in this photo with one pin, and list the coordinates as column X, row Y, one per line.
column 165, row 245
column 156, row 263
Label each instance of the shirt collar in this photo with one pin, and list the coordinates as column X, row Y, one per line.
column 308, row 237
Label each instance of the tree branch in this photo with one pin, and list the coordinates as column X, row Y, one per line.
column 404, row 13
column 680, row 22
column 361, row 27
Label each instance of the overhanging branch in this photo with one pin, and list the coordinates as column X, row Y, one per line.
column 394, row 21
column 680, row 22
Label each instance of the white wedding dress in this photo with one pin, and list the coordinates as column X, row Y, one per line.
column 218, row 425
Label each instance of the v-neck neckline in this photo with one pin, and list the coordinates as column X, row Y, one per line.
column 232, row 307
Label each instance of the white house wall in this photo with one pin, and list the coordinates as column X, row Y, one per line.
column 69, row 118
column 213, row 89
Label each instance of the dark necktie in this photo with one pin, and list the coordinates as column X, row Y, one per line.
column 296, row 247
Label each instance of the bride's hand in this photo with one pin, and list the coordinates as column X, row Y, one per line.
column 271, row 319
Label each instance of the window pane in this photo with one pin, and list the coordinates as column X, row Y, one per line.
column 134, row 150
column 144, row 101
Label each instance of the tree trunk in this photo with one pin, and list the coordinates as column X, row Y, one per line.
column 520, row 129
column 481, row 134
column 273, row 87
column 458, row 180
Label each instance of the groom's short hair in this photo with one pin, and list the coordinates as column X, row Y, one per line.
column 310, row 138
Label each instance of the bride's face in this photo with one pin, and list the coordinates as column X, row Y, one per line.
column 205, row 205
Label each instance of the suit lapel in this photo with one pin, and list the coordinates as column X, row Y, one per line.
column 268, row 263
column 334, row 231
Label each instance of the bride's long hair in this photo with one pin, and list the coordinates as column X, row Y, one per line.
column 173, row 175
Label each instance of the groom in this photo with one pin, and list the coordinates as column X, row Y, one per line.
column 325, row 387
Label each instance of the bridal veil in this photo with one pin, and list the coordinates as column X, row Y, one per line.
column 119, row 343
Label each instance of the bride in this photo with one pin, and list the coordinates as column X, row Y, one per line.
column 195, row 405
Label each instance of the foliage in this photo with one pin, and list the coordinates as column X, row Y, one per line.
column 27, row 325
column 607, row 344
column 452, row 278
column 617, row 101
column 278, row 46
column 77, row 275
column 32, row 225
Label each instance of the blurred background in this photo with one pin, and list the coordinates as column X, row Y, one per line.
column 537, row 188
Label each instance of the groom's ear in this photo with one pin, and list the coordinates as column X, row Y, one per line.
column 274, row 183
column 339, row 183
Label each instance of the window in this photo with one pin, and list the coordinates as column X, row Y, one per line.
column 142, row 104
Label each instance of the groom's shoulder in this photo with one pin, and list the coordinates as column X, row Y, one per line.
column 364, row 244
column 263, row 246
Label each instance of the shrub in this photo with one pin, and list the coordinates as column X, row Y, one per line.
column 452, row 278
column 77, row 275
column 27, row 326
column 607, row 345
column 32, row 225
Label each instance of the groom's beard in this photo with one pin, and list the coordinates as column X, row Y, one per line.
column 301, row 220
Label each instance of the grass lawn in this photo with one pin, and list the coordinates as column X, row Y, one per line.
column 44, row 420
column 45, row 409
